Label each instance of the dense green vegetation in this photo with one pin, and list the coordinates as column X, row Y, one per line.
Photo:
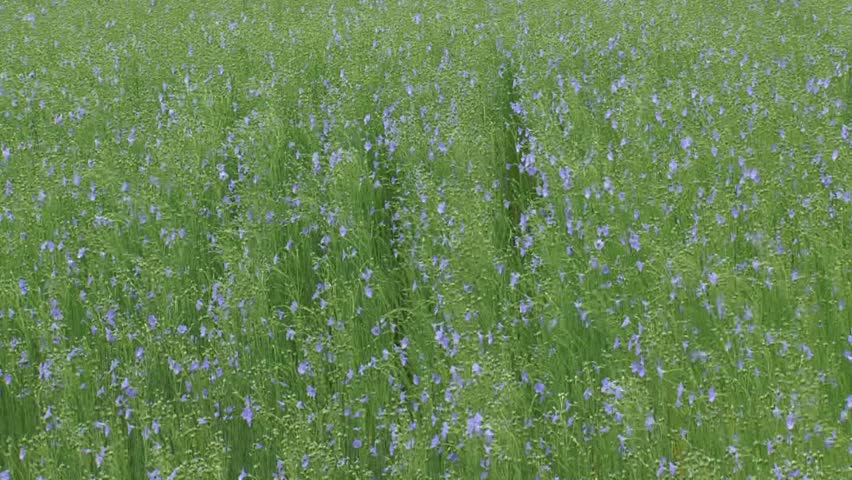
column 425, row 239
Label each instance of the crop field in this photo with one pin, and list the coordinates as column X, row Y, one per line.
column 416, row 239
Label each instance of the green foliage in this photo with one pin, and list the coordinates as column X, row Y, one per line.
column 424, row 239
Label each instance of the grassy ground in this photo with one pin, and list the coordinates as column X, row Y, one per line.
column 422, row 239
